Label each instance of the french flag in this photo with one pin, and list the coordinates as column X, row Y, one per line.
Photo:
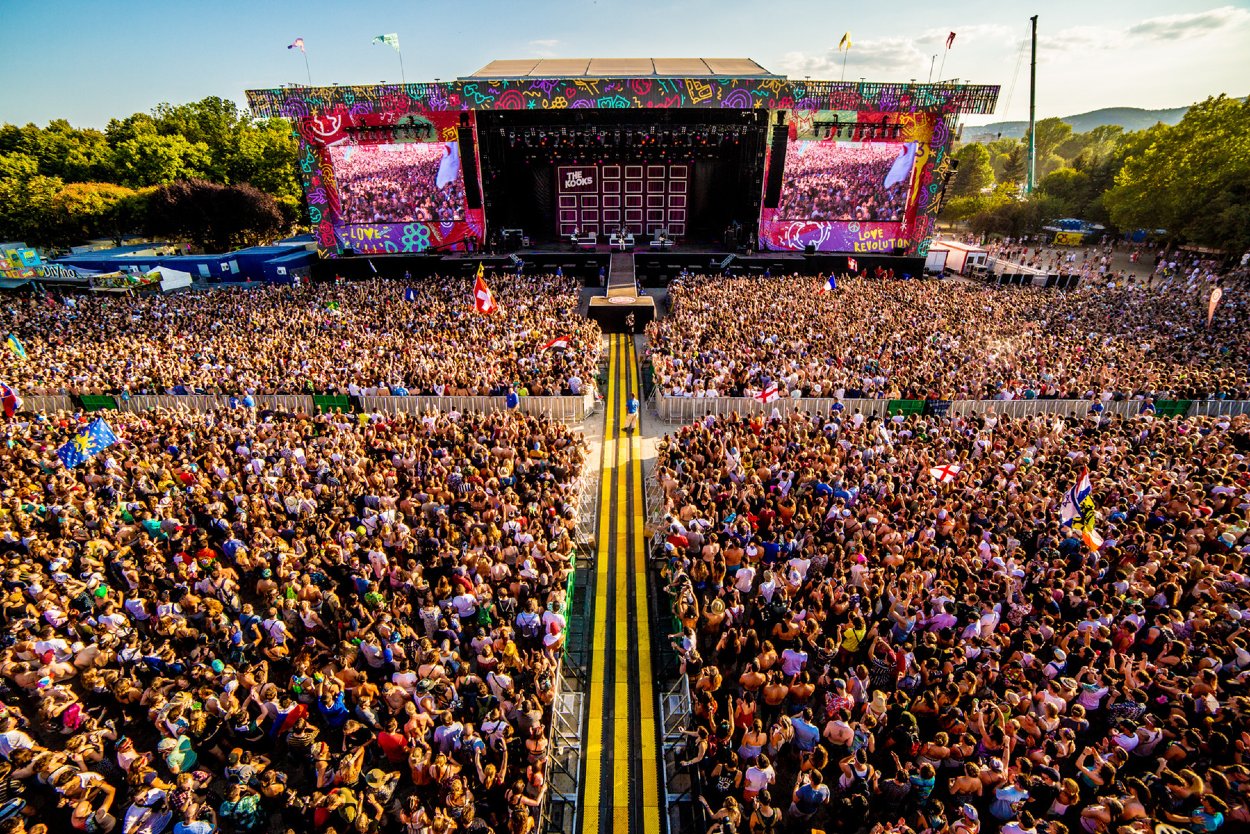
column 829, row 286
column 558, row 343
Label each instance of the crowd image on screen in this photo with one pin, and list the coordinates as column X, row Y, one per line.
column 327, row 338
column 830, row 180
column 398, row 183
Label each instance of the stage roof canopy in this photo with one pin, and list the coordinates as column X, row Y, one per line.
column 623, row 68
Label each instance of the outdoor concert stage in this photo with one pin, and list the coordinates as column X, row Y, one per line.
column 548, row 160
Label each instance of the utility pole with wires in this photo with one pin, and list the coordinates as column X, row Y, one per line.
column 1028, row 189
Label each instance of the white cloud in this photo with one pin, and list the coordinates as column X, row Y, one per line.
column 1182, row 26
column 883, row 57
column 544, row 47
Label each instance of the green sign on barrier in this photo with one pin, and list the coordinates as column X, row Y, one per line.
column 904, row 407
column 1172, row 408
column 330, row 402
column 91, row 402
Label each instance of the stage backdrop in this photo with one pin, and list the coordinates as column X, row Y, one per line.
column 871, row 189
column 321, row 113
column 599, row 199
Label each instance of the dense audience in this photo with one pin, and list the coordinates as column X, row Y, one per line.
column 398, row 183
column 322, row 338
column 841, row 181
column 269, row 622
column 868, row 647
column 1113, row 338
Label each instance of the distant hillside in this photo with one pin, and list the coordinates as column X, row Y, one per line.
column 1129, row 118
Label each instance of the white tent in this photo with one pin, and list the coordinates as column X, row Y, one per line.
column 172, row 279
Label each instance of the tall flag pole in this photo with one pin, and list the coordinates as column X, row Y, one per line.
column 298, row 43
column 950, row 39
column 392, row 40
column 844, row 46
column 1032, row 109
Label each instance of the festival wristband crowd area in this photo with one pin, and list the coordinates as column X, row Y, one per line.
column 320, row 338
column 886, row 626
column 1113, row 338
column 254, row 622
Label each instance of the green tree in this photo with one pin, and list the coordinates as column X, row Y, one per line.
column 215, row 217
column 1051, row 133
column 26, row 200
column 1192, row 179
column 1015, row 165
column 153, row 159
column 975, row 173
column 91, row 209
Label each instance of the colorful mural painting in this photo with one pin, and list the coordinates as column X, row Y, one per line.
column 326, row 116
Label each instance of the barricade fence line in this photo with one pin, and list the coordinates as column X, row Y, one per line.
column 687, row 409
column 563, row 409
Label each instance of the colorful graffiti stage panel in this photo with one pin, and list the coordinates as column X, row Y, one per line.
column 328, row 116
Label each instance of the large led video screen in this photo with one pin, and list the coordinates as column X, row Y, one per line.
column 854, row 182
column 400, row 182
column 866, row 182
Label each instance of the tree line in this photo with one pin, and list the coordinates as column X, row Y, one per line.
column 206, row 172
column 1191, row 180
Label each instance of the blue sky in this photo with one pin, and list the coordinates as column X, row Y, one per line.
column 89, row 60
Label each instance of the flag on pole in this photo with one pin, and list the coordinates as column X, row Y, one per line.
column 845, row 43
column 298, row 43
column 89, row 440
column 483, row 300
column 410, row 295
column 830, row 285
column 945, row 474
column 769, row 394
column 558, row 343
column 1077, row 510
column 15, row 344
column 11, row 402
column 852, row 265
column 391, row 40
column 1216, row 294
column 950, row 39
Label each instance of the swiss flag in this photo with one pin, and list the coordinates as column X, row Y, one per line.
column 558, row 343
column 769, row 394
column 852, row 265
column 483, row 301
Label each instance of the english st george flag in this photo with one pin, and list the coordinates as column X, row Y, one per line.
column 769, row 394
column 945, row 474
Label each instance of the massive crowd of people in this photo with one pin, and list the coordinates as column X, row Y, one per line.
column 1114, row 337
column 869, row 647
column 842, row 181
column 398, row 183
column 255, row 622
column 322, row 338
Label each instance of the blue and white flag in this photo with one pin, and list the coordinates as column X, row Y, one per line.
column 90, row 439
column 410, row 295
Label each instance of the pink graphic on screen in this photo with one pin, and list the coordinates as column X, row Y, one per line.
column 846, row 181
column 397, row 183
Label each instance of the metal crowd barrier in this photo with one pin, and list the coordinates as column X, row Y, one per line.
column 687, row 409
column 564, row 409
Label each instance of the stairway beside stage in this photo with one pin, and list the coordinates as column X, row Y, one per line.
column 621, row 276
